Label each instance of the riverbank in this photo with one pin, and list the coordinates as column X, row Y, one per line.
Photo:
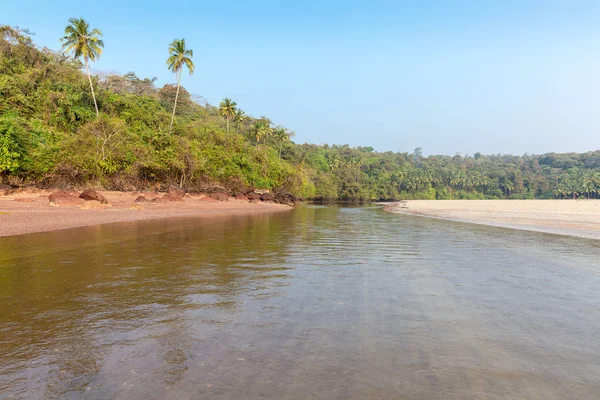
column 580, row 218
column 31, row 212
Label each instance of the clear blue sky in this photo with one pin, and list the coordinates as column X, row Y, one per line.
column 450, row 76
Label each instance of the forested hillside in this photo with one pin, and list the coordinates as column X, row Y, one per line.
column 50, row 135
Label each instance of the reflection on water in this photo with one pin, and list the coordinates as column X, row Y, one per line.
column 323, row 302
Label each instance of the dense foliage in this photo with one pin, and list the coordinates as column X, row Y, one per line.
column 50, row 136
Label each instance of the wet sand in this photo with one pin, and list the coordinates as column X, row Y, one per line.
column 24, row 213
column 580, row 218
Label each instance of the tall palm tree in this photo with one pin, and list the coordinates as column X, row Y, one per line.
column 82, row 42
column 227, row 109
column 179, row 57
column 282, row 136
column 239, row 118
column 559, row 192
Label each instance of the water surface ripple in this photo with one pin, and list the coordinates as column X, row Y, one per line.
column 323, row 303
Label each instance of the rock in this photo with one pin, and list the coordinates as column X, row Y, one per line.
column 253, row 196
column 267, row 197
column 171, row 197
column 156, row 200
column 209, row 199
column 175, row 191
column 141, row 199
column 291, row 197
column 221, row 196
column 286, row 198
column 61, row 198
column 91, row 194
column 174, row 194
column 6, row 189
column 241, row 196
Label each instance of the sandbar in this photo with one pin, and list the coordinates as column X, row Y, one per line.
column 580, row 218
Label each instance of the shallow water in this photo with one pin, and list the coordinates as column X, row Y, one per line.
column 323, row 302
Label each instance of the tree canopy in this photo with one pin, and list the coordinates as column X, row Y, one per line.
column 50, row 135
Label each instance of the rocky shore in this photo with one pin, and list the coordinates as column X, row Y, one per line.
column 29, row 210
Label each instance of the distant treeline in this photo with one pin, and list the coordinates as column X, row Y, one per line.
column 50, row 135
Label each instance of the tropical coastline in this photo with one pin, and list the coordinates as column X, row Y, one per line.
column 31, row 211
column 579, row 218
column 186, row 200
column 68, row 127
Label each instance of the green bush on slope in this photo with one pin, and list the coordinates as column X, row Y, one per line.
column 49, row 135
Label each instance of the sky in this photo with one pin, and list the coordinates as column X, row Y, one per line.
column 449, row 76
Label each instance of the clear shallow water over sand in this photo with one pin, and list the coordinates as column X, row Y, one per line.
column 323, row 302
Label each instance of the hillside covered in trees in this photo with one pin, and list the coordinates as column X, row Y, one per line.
column 51, row 136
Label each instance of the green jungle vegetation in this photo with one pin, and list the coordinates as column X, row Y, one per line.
column 61, row 126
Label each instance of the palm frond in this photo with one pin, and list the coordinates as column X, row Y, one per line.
column 180, row 57
column 80, row 41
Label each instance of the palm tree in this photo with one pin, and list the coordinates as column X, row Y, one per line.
column 573, row 188
column 589, row 185
column 587, row 188
column 262, row 129
column 227, row 109
column 559, row 192
column 239, row 118
column 82, row 42
column 282, row 136
column 179, row 57
column 508, row 187
column 596, row 180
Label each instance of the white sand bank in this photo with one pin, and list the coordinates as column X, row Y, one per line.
column 579, row 218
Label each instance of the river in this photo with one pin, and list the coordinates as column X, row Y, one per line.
column 318, row 303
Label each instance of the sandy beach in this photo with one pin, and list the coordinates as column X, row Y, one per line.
column 30, row 212
column 580, row 218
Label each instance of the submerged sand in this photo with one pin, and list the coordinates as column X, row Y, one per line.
column 31, row 212
column 579, row 218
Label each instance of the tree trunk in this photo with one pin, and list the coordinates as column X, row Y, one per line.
column 176, row 97
column 227, row 119
column 87, row 69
